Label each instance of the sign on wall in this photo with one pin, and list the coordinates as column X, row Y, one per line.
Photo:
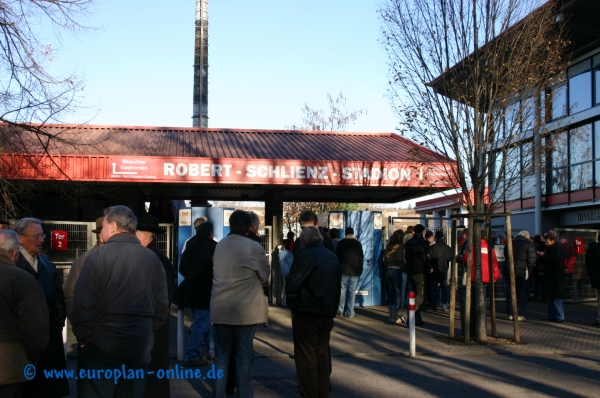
column 59, row 240
column 578, row 246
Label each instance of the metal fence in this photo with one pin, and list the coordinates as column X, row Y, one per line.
column 81, row 239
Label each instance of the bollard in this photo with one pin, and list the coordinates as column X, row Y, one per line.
column 411, row 325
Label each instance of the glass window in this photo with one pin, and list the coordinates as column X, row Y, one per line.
column 560, row 150
column 597, row 140
column 511, row 120
column 580, row 92
column 597, row 86
column 581, row 143
column 597, row 184
column 560, row 180
column 559, row 101
column 581, row 176
column 527, row 164
column 529, row 111
column 528, row 186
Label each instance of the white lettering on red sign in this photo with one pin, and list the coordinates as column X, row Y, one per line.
column 196, row 170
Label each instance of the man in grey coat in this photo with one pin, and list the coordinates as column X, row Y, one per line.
column 237, row 303
column 120, row 303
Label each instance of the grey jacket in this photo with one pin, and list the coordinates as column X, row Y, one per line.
column 121, row 300
column 239, row 267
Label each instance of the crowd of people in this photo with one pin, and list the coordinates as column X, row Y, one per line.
column 117, row 297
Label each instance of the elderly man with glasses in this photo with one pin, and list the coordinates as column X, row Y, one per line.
column 31, row 239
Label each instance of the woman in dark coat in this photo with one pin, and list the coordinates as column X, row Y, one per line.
column 554, row 278
column 393, row 259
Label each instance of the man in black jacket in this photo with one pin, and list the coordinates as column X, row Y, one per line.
column 524, row 257
column 440, row 255
column 147, row 229
column 120, row 303
column 350, row 254
column 417, row 265
column 313, row 291
column 31, row 238
column 24, row 331
column 197, row 268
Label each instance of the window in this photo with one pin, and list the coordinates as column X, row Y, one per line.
column 580, row 92
column 560, row 145
column 581, row 144
column 529, row 110
column 512, row 173
column 558, row 96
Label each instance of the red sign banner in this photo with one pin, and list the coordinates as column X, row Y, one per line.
column 578, row 246
column 59, row 240
column 278, row 172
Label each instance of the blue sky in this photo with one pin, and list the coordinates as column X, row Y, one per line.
column 267, row 58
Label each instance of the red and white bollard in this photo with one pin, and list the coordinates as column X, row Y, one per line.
column 412, row 341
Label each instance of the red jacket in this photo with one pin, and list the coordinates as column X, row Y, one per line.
column 485, row 269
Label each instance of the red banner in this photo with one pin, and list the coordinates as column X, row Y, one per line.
column 578, row 245
column 59, row 240
column 269, row 171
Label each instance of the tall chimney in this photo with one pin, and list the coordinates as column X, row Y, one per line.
column 200, row 113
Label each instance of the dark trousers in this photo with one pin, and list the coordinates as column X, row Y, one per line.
column 522, row 296
column 91, row 359
column 311, row 353
column 417, row 285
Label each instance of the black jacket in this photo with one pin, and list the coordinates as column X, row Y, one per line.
column 440, row 255
column 350, row 254
column 554, row 280
column 524, row 257
column 121, row 300
column 197, row 268
column 54, row 355
column 415, row 252
column 592, row 263
column 314, row 282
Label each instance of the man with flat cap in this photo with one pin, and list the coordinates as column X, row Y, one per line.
column 147, row 229
column 75, row 271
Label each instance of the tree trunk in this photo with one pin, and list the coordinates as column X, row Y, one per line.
column 478, row 287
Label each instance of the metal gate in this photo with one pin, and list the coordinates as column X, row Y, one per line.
column 81, row 239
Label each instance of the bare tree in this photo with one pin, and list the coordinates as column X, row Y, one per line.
column 338, row 118
column 30, row 95
column 465, row 81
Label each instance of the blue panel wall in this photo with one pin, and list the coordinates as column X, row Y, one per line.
column 369, row 284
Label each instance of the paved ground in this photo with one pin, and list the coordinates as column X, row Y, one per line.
column 370, row 358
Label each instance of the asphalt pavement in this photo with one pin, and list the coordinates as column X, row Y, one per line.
column 370, row 357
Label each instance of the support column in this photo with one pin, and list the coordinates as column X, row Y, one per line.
column 274, row 218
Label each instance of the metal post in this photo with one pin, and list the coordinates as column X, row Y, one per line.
column 411, row 325
column 511, row 268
